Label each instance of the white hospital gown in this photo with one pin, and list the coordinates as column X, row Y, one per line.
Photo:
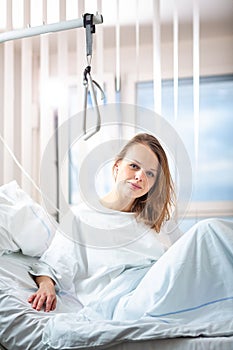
column 103, row 245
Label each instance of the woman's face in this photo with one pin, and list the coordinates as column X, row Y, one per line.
column 136, row 173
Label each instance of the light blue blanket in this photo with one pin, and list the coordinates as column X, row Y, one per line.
column 187, row 292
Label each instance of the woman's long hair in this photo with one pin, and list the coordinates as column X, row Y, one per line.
column 155, row 206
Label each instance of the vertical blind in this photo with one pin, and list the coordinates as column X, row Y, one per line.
column 28, row 68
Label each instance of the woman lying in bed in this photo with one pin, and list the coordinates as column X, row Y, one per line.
column 120, row 249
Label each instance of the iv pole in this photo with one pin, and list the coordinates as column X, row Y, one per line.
column 47, row 28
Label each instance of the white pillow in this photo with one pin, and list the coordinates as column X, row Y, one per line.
column 24, row 224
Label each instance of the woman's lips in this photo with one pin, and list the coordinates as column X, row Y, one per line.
column 135, row 186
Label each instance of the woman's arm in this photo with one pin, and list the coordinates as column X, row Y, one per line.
column 45, row 295
column 57, row 266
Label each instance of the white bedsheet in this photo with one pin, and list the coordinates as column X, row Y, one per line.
column 21, row 327
column 188, row 292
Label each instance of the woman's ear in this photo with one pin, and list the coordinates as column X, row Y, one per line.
column 115, row 170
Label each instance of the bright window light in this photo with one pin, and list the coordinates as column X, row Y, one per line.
column 90, row 6
column 2, row 14
column 17, row 14
column 36, row 13
column 71, row 9
column 53, row 11
column 53, row 93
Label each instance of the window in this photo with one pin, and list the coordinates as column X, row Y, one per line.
column 213, row 179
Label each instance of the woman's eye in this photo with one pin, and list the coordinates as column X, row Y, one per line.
column 134, row 166
column 150, row 174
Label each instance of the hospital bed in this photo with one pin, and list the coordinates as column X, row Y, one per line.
column 19, row 319
column 26, row 232
column 21, row 327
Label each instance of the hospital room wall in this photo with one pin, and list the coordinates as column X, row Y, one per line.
column 216, row 57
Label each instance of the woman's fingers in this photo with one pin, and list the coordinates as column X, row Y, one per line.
column 39, row 300
column 49, row 303
column 45, row 297
column 31, row 298
column 54, row 304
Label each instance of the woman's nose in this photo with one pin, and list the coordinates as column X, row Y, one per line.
column 139, row 175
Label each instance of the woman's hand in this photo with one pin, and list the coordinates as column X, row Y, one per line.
column 45, row 296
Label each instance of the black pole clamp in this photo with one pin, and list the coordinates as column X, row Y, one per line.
column 88, row 20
